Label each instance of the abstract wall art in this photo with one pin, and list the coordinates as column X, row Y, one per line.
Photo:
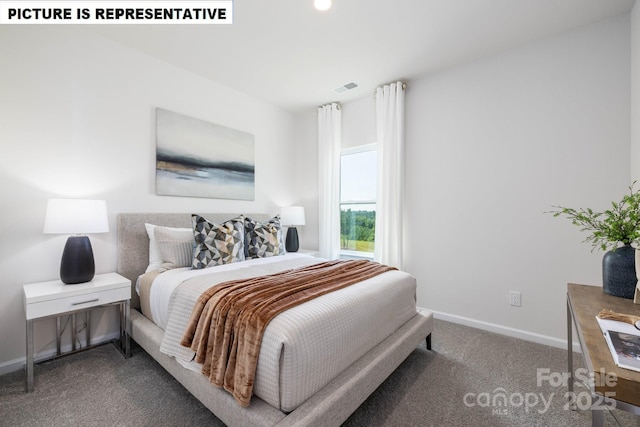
column 195, row 158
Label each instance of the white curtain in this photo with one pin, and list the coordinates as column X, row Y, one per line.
column 329, row 131
column 390, row 189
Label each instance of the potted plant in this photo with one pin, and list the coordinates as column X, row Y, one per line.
column 615, row 230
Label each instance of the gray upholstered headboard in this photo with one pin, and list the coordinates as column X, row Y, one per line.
column 133, row 242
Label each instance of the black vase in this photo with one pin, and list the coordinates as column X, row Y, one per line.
column 619, row 272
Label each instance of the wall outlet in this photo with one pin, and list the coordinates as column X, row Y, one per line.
column 514, row 298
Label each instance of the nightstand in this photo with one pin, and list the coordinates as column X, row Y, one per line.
column 54, row 298
column 309, row 252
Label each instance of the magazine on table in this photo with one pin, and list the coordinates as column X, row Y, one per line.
column 623, row 340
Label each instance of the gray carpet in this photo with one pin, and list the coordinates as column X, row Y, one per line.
column 100, row 388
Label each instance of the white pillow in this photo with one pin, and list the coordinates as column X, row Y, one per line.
column 155, row 257
column 176, row 247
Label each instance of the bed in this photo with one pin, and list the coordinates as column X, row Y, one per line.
column 331, row 404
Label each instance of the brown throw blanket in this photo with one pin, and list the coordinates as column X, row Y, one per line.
column 228, row 320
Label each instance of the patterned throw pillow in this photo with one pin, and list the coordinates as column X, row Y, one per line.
column 263, row 239
column 217, row 244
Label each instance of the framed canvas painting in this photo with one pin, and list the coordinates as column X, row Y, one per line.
column 195, row 158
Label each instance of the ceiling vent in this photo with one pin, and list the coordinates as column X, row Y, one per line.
column 344, row 88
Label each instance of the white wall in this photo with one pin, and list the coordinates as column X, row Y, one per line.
column 491, row 146
column 635, row 92
column 77, row 120
column 305, row 179
column 359, row 122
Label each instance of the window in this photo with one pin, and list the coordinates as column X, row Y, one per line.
column 358, row 177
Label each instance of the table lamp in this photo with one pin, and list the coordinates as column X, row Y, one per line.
column 290, row 216
column 78, row 217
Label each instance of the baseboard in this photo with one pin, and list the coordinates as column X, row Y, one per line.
column 505, row 330
column 19, row 363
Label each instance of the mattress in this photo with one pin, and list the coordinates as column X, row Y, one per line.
column 303, row 348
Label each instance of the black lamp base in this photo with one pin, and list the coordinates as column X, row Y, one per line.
column 291, row 244
column 77, row 265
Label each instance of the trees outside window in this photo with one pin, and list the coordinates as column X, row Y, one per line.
column 358, row 200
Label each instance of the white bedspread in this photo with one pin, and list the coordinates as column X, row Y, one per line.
column 167, row 282
column 304, row 347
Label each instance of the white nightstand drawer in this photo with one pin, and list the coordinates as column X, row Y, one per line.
column 76, row 302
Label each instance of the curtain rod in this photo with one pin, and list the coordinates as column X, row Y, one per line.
column 338, row 105
column 404, row 87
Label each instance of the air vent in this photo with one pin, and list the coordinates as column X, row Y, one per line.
column 344, row 88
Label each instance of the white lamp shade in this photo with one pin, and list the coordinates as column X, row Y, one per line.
column 76, row 216
column 292, row 215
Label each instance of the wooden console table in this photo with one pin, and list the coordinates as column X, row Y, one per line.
column 583, row 304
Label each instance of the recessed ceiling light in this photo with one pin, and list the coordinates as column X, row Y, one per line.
column 322, row 4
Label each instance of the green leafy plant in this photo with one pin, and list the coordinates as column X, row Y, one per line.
column 620, row 224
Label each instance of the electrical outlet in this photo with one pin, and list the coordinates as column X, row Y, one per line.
column 514, row 298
